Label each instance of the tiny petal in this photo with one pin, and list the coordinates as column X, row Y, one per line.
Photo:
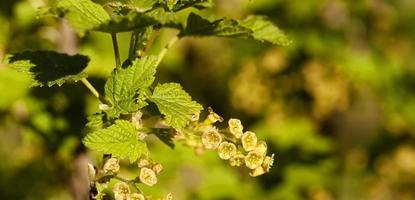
column 121, row 191
column 261, row 147
column 249, row 141
column 257, row 172
column 91, row 172
column 147, row 176
column 226, row 150
column 137, row 196
column 211, row 139
column 157, row 168
column 237, row 160
column 235, row 127
column 254, row 159
column 112, row 166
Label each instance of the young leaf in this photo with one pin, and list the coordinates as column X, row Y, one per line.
column 121, row 88
column 50, row 68
column 175, row 104
column 120, row 140
column 83, row 15
column 264, row 30
column 197, row 26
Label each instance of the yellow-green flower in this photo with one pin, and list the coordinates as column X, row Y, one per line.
column 261, row 147
column 211, row 139
column 237, row 160
column 112, row 166
column 268, row 162
column 121, row 191
column 254, row 159
column 147, row 176
column 226, row 150
column 235, row 127
column 168, row 196
column 249, row 141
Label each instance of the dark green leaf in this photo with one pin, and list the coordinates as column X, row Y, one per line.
column 197, row 26
column 50, row 68
column 264, row 30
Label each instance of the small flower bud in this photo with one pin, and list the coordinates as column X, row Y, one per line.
column 136, row 119
column 211, row 139
column 261, row 147
column 147, row 176
column 168, row 196
column 91, row 172
column 235, row 127
column 121, row 191
column 212, row 117
column 249, row 141
column 137, row 196
column 226, row 150
column 143, row 163
column 195, row 117
column 103, row 107
column 112, row 166
column 237, row 160
column 253, row 159
column 157, row 168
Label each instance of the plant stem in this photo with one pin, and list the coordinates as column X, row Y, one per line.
column 133, row 44
column 90, row 87
column 166, row 48
column 116, row 51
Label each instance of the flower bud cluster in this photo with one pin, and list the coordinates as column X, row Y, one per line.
column 239, row 147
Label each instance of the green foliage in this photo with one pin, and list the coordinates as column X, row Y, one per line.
column 265, row 30
column 83, row 15
column 50, row 68
column 121, row 88
column 121, row 140
column 175, row 104
column 133, row 21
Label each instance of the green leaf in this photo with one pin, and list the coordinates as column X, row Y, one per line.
column 121, row 88
column 96, row 121
column 197, row 26
column 50, row 68
column 120, row 140
column 83, row 15
column 253, row 27
column 175, row 104
column 264, row 30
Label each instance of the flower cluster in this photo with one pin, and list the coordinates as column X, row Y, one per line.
column 122, row 192
column 233, row 144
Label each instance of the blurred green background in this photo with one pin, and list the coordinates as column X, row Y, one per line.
column 337, row 107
